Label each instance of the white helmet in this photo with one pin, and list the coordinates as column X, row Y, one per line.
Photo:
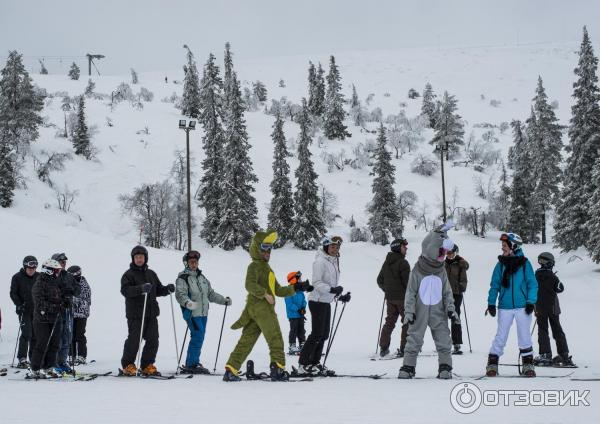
column 49, row 266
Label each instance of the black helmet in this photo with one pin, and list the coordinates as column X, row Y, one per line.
column 192, row 254
column 455, row 249
column 396, row 244
column 74, row 269
column 139, row 250
column 60, row 257
column 30, row 261
column 546, row 259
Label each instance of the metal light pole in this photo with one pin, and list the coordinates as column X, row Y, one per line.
column 443, row 147
column 190, row 126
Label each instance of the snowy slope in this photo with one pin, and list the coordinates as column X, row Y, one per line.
column 97, row 237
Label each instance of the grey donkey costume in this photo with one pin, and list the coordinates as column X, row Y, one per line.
column 429, row 303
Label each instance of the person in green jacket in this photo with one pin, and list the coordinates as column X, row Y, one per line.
column 194, row 293
column 259, row 314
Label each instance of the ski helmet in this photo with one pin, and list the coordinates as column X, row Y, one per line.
column 30, row 261
column 293, row 277
column 60, row 257
column 140, row 250
column 49, row 266
column 546, row 259
column 192, row 254
column 74, row 270
column 329, row 240
column 513, row 240
column 455, row 249
column 396, row 244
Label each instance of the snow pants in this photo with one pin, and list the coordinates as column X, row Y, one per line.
column 456, row 328
column 79, row 339
column 441, row 337
column 395, row 310
column 66, row 338
column 27, row 339
column 297, row 331
column 47, row 341
column 320, row 316
column 557, row 333
column 197, row 327
column 505, row 320
column 130, row 349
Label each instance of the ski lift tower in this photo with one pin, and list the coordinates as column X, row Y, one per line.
column 91, row 58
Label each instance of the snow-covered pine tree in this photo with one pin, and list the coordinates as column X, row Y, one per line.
column 546, row 154
column 520, row 219
column 190, row 103
column 239, row 213
column 134, row 76
column 593, row 224
column 312, row 86
column 308, row 226
column 334, row 105
column 227, row 75
column 260, row 91
column 574, row 212
column 281, row 210
column 428, row 107
column 43, row 70
column 383, row 210
column 74, row 72
column 316, row 91
column 8, row 181
column 81, row 136
column 356, row 110
column 449, row 127
column 20, row 106
column 90, row 87
column 66, row 107
column 213, row 142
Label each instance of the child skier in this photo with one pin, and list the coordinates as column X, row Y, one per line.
column 295, row 307
column 547, row 309
column 259, row 314
column 429, row 303
column 194, row 293
column 81, row 312
column 515, row 289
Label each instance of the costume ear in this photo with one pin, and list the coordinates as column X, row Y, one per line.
column 445, row 227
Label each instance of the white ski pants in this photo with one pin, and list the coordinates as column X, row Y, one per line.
column 505, row 320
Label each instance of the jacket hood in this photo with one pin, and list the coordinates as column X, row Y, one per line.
column 323, row 255
column 393, row 257
column 259, row 238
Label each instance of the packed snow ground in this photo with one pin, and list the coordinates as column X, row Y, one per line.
column 98, row 238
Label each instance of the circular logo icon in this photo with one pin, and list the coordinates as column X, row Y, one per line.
column 465, row 398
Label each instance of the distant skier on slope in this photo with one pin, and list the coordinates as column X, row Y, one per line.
column 429, row 303
column 20, row 293
column 515, row 289
column 259, row 315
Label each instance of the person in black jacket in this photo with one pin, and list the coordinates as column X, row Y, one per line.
column 137, row 281
column 20, row 293
column 393, row 279
column 547, row 309
column 456, row 268
column 48, row 301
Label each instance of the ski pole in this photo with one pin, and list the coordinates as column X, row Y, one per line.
column 332, row 323
column 138, row 359
column 187, row 328
column 334, row 333
column 380, row 325
column 220, row 336
column 467, row 324
column 12, row 365
column 72, row 322
column 174, row 331
column 533, row 328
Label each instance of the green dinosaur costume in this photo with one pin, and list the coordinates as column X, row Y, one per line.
column 258, row 315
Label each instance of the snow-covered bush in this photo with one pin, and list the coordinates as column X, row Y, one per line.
column 424, row 165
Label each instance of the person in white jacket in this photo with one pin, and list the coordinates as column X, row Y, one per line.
column 325, row 279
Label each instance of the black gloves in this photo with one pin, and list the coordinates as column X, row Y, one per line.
column 20, row 309
column 529, row 308
column 336, row 290
column 302, row 311
column 453, row 316
column 491, row 309
column 303, row 286
column 146, row 287
column 344, row 298
column 171, row 288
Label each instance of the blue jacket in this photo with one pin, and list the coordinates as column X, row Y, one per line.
column 522, row 288
column 293, row 303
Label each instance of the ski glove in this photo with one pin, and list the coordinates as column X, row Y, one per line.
column 344, row 298
column 302, row 286
column 491, row 309
column 336, row 290
column 191, row 305
column 20, row 309
column 454, row 317
column 529, row 308
column 228, row 301
column 171, row 288
column 146, row 287
column 409, row 319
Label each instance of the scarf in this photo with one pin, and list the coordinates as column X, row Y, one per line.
column 428, row 266
column 511, row 265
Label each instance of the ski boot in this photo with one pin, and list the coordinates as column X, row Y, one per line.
column 80, row 360
column 231, row 374
column 324, row 371
column 293, row 350
column 129, row 371
column 457, row 350
column 51, row 373
column 278, row 372
column 194, row 369
column 300, row 348
column 543, row 360
column 64, row 369
column 384, row 352
column 563, row 360
column 528, row 367
column 35, row 375
column 491, row 370
column 307, row 370
column 23, row 363
column 150, row 370
column 399, row 353
column 406, row 372
column 445, row 372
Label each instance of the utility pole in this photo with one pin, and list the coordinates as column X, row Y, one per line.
column 91, row 58
column 190, row 126
column 442, row 147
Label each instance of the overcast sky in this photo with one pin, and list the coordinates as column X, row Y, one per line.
column 149, row 34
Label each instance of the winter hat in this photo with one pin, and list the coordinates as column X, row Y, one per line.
column 192, row 254
column 455, row 249
column 396, row 244
column 75, row 271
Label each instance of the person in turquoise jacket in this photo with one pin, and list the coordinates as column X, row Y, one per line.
column 514, row 289
column 295, row 307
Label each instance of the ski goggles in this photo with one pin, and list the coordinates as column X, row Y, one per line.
column 76, row 273
column 194, row 254
column 266, row 247
column 336, row 240
column 30, row 264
